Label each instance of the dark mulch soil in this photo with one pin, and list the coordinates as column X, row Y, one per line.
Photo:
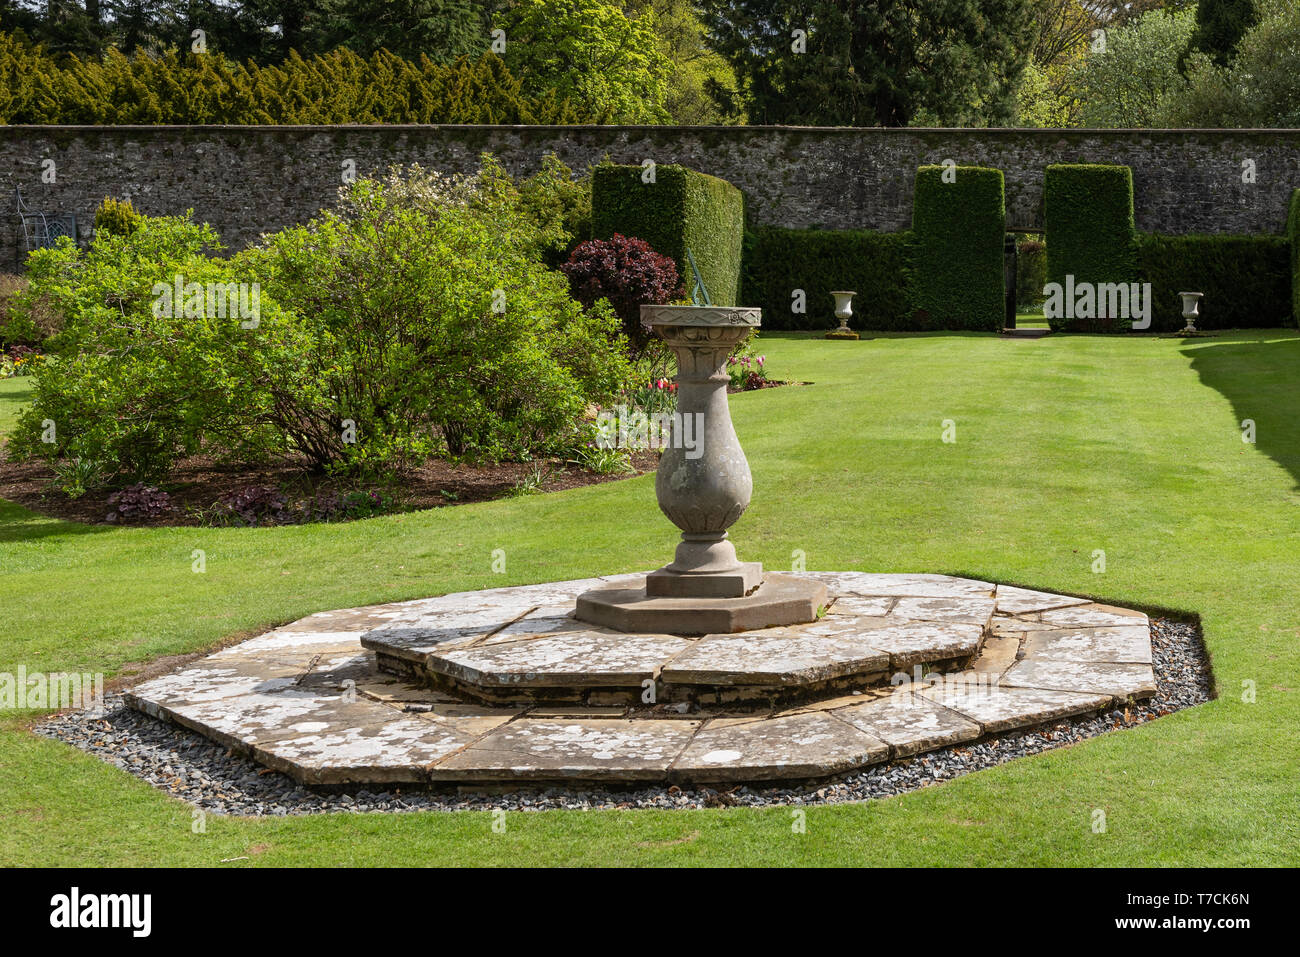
column 199, row 482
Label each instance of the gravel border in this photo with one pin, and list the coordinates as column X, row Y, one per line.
column 187, row 765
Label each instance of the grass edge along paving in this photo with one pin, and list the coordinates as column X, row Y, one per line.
column 1064, row 447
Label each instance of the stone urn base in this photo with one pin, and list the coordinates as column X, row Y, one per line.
column 778, row 600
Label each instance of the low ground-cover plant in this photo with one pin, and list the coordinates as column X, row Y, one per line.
column 259, row 505
column 138, row 502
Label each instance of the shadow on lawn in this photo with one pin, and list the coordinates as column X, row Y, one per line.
column 1257, row 373
column 17, row 524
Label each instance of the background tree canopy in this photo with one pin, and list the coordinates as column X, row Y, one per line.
column 863, row 63
column 1037, row 63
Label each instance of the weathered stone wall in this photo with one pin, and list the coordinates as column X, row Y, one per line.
column 249, row 180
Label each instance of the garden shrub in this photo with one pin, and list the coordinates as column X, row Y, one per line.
column 25, row 318
column 956, row 279
column 430, row 328
column 559, row 205
column 779, row 261
column 627, row 274
column 116, row 216
column 680, row 210
column 404, row 323
column 1089, row 224
column 130, row 384
column 1246, row 280
column 1293, row 233
column 1031, row 271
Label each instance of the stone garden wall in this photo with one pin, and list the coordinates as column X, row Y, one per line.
column 249, row 180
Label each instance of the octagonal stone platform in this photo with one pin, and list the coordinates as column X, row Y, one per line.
column 505, row 686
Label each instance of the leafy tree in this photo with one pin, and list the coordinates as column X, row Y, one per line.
column 1220, row 25
column 1065, row 29
column 1260, row 88
column 1124, row 84
column 591, row 53
column 442, row 30
column 863, row 63
column 701, row 80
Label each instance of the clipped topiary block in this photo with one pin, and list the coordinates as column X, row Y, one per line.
column 676, row 210
column 1091, row 234
column 840, row 335
column 790, row 273
column 1247, row 280
column 1293, row 233
column 958, row 226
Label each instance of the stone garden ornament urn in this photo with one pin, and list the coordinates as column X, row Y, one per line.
column 703, row 485
column 843, row 311
column 1190, row 311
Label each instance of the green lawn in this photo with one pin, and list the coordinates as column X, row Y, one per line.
column 1065, row 445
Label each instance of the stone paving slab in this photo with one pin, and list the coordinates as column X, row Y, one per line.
column 1016, row 601
column 530, row 750
column 580, row 659
column 774, row 656
column 859, row 607
column 809, row 745
column 998, row 654
column 1015, row 625
column 910, row 724
column 307, row 698
column 1002, row 709
column 975, row 611
column 208, row 680
column 911, row 643
column 1093, row 616
column 866, row 585
column 1116, row 644
column 1120, row 681
column 414, row 641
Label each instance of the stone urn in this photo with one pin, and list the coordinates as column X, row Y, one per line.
column 703, row 483
column 843, row 312
column 1191, row 301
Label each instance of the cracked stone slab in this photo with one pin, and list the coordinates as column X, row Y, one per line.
column 587, row 658
column 537, row 625
column 917, row 642
column 910, row 724
column 208, row 680
column 998, row 654
column 774, row 656
column 538, row 749
column 876, row 607
column 999, row 708
column 414, row 641
column 1017, row 601
column 1114, row 679
column 1117, row 644
column 866, row 585
column 319, row 738
column 1092, row 616
column 806, row 745
column 976, row 611
column 1013, row 625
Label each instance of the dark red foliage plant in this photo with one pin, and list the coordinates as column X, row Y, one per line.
column 628, row 273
